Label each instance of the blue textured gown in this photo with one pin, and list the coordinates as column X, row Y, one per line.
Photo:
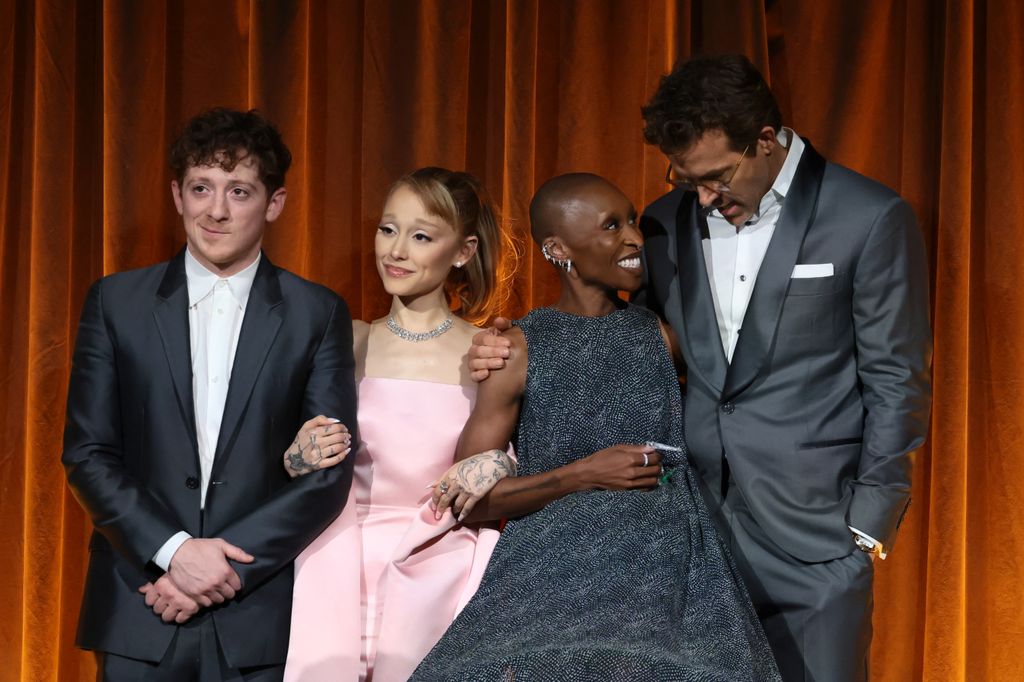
column 604, row 585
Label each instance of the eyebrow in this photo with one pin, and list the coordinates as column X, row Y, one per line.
column 605, row 215
column 715, row 173
column 208, row 181
column 419, row 221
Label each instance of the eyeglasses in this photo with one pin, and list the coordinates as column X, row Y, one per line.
column 719, row 186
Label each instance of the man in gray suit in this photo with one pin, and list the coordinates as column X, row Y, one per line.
column 798, row 292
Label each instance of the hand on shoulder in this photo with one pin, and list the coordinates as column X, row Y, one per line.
column 490, row 349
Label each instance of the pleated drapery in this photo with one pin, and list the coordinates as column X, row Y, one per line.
column 926, row 96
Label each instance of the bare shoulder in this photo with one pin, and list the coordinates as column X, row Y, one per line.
column 360, row 342
column 360, row 330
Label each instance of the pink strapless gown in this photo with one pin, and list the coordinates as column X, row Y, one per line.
column 381, row 584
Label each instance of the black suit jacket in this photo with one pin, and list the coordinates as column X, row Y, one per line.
column 131, row 454
column 828, row 390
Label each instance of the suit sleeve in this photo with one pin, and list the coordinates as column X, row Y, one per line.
column 298, row 512
column 134, row 523
column 893, row 336
column 653, row 232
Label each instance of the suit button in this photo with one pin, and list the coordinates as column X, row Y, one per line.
column 728, row 408
column 191, row 482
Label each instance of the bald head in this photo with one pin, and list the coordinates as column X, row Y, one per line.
column 559, row 200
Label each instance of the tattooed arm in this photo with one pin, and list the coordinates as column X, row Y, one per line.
column 321, row 443
column 490, row 426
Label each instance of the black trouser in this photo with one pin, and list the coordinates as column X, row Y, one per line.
column 193, row 655
column 817, row 616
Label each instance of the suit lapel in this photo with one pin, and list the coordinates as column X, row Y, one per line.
column 171, row 317
column 263, row 318
column 701, row 325
column 765, row 307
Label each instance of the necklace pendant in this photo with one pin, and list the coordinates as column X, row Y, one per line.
column 415, row 337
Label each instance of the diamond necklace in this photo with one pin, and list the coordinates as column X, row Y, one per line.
column 416, row 337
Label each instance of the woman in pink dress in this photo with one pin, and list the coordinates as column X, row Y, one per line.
column 379, row 587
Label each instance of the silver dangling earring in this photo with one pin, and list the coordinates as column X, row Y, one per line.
column 564, row 264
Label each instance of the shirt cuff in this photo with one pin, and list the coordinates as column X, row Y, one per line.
column 163, row 557
column 874, row 542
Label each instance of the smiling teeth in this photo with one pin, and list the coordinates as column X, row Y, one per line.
column 630, row 263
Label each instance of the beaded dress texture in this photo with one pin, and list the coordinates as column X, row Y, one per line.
column 604, row 585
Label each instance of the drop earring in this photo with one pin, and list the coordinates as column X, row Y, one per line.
column 564, row 264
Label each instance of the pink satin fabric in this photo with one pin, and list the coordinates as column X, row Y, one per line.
column 378, row 588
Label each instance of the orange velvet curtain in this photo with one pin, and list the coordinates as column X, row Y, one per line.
column 925, row 95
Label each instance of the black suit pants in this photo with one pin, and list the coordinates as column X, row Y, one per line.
column 194, row 655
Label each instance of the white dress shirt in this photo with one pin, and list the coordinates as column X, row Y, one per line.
column 733, row 254
column 216, row 307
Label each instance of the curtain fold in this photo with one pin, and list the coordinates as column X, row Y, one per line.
column 927, row 97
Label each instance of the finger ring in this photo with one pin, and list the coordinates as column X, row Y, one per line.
column 443, row 487
column 646, row 459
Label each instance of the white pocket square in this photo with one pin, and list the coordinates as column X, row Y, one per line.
column 809, row 270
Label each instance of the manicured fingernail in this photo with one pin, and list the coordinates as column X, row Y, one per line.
column 333, row 420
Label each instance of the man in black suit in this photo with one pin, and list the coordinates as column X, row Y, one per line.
column 798, row 292
column 190, row 380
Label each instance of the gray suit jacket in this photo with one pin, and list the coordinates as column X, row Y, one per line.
column 829, row 387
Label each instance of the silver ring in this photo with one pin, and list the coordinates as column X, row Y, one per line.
column 443, row 487
column 646, row 459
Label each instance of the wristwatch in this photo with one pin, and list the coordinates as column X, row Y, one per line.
column 865, row 545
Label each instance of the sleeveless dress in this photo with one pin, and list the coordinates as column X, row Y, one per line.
column 381, row 584
column 604, row 585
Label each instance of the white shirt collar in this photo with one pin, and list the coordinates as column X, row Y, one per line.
column 792, row 142
column 201, row 281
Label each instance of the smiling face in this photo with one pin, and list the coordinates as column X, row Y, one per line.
column 712, row 159
column 415, row 251
column 225, row 214
column 598, row 231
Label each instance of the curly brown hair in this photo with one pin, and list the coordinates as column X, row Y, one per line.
column 223, row 137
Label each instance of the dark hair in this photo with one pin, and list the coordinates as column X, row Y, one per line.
column 459, row 199
column 724, row 93
column 223, row 137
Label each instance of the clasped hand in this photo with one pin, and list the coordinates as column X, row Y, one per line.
column 199, row 576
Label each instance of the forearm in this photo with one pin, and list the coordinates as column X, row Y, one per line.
column 131, row 519
column 893, row 335
column 281, row 527
column 522, row 495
